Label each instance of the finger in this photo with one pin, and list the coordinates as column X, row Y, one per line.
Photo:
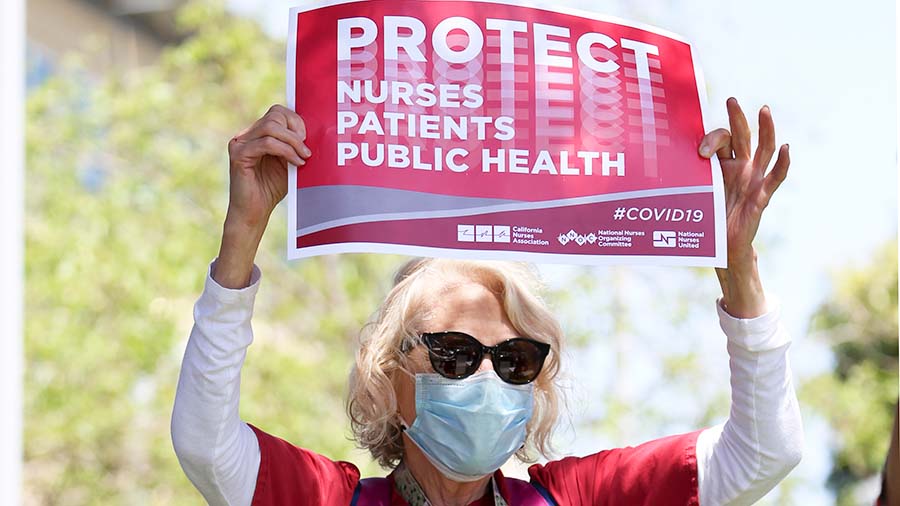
column 282, row 115
column 274, row 128
column 779, row 172
column 243, row 133
column 766, row 147
column 295, row 124
column 740, row 130
column 262, row 146
column 291, row 118
column 718, row 141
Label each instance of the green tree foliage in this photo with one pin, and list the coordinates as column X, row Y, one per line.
column 858, row 398
column 126, row 192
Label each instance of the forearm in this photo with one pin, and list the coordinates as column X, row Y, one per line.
column 740, row 461
column 742, row 291
column 218, row 452
column 237, row 251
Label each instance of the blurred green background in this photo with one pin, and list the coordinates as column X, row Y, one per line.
column 125, row 195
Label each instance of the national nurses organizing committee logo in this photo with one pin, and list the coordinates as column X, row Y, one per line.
column 579, row 239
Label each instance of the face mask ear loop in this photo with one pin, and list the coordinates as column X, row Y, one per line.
column 403, row 425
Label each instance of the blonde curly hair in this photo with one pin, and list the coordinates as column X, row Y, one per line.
column 395, row 329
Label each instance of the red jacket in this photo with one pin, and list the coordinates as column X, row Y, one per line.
column 658, row 473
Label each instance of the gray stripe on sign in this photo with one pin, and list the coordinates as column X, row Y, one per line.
column 510, row 205
column 329, row 204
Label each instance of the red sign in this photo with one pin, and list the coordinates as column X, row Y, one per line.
column 493, row 130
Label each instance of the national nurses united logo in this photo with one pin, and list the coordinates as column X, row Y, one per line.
column 664, row 239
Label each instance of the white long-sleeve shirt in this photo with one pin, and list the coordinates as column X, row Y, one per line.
column 737, row 462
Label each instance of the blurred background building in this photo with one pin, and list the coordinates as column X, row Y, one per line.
column 107, row 34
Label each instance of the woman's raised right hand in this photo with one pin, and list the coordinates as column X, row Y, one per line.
column 258, row 170
column 259, row 159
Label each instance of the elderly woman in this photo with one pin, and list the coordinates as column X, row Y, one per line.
column 457, row 372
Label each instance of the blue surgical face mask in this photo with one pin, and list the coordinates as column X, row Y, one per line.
column 467, row 428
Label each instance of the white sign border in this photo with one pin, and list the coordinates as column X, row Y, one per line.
column 720, row 259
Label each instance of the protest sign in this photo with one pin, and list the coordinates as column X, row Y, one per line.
column 498, row 130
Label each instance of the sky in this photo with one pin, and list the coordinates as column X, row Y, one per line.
column 827, row 69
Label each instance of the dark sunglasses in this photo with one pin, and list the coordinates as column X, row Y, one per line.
column 457, row 355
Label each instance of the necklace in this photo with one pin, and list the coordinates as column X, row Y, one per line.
column 410, row 490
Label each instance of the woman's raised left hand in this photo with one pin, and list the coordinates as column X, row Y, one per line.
column 748, row 190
